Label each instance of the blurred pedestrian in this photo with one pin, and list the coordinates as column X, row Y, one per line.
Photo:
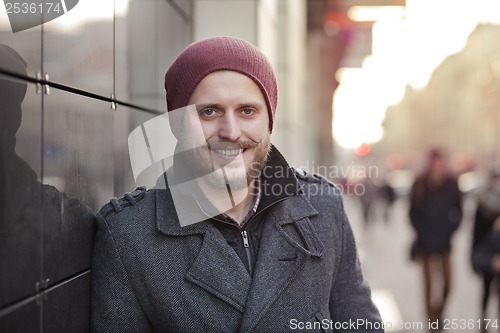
column 367, row 198
column 486, row 240
column 388, row 196
column 435, row 214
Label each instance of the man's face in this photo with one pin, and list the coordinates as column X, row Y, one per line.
column 438, row 165
column 235, row 123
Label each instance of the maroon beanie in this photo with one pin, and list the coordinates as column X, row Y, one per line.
column 214, row 54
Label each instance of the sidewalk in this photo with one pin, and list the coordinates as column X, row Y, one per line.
column 397, row 283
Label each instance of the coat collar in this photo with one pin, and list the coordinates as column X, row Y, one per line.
column 183, row 196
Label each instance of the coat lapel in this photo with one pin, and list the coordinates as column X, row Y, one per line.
column 287, row 244
column 217, row 268
column 220, row 271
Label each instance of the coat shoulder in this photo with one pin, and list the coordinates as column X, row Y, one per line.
column 125, row 203
column 312, row 183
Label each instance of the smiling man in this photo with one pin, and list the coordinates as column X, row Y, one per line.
column 232, row 239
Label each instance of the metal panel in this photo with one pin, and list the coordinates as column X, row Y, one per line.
column 21, row 318
column 27, row 43
column 20, row 190
column 78, row 163
column 78, row 47
column 66, row 308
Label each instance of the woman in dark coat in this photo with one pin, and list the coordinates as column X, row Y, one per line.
column 435, row 214
column 486, row 239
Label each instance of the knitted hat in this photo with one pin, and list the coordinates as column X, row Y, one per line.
column 214, row 54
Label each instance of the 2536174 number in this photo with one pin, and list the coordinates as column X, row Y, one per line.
column 469, row 324
column 32, row 8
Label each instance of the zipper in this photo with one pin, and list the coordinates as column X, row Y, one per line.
column 246, row 245
column 244, row 233
column 245, row 238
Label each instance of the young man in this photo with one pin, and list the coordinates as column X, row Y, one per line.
column 435, row 214
column 232, row 239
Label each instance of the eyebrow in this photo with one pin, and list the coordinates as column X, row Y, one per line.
column 256, row 105
column 208, row 105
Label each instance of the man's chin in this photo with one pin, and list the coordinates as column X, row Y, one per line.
column 234, row 182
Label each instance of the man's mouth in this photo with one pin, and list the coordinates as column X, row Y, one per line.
column 229, row 152
column 227, row 149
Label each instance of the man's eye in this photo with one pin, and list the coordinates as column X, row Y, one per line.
column 208, row 112
column 247, row 112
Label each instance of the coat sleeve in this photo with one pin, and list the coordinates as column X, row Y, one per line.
column 456, row 212
column 482, row 227
column 350, row 299
column 114, row 306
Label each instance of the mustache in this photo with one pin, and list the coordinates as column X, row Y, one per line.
column 233, row 145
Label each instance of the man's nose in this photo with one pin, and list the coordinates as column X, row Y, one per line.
column 229, row 128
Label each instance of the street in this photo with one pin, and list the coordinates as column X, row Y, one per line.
column 396, row 281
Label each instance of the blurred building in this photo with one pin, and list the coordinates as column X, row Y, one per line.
column 458, row 110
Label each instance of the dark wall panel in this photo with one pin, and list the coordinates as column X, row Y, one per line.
column 24, row 318
column 78, row 150
column 66, row 307
column 20, row 189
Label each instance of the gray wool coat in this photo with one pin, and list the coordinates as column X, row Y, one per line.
column 152, row 275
